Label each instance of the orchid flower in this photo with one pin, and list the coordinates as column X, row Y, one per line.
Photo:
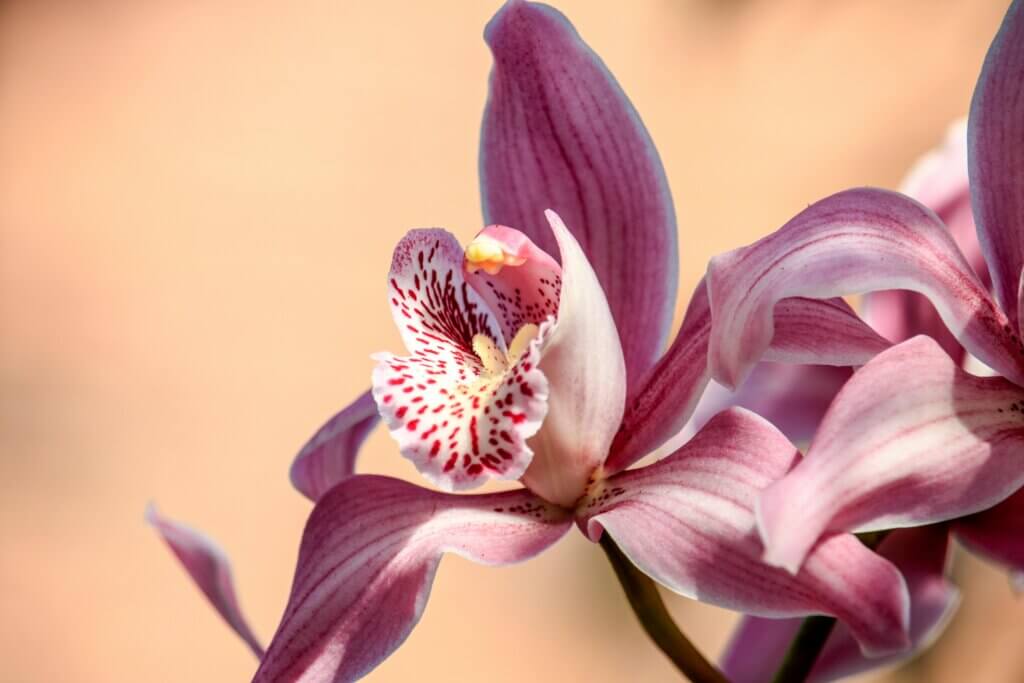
column 912, row 439
column 796, row 397
column 535, row 355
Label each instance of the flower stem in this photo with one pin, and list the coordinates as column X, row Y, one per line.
column 809, row 641
column 654, row 617
column 804, row 650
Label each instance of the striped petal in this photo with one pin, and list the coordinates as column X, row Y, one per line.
column 995, row 141
column 996, row 533
column 822, row 332
column 210, row 569
column 367, row 560
column 330, row 455
column 935, row 444
column 758, row 645
column 688, row 522
column 558, row 133
column 463, row 403
column 853, row 242
column 659, row 406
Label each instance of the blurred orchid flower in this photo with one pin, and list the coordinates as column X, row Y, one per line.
column 535, row 355
column 911, row 439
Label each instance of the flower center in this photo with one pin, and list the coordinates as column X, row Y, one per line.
column 488, row 255
column 494, row 361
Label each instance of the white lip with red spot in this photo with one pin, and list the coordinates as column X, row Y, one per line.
column 471, row 393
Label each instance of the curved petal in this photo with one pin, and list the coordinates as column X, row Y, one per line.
column 367, row 561
column 852, row 242
column 559, row 133
column 806, row 331
column 996, row 533
column 939, row 181
column 463, row 403
column 330, row 455
column 209, row 567
column 911, row 439
column 758, row 645
column 583, row 362
column 688, row 522
column 995, row 143
column 794, row 398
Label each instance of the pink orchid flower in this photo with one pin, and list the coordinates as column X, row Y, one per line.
column 535, row 355
column 911, row 439
column 796, row 397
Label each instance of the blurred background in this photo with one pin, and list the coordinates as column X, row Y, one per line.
column 198, row 202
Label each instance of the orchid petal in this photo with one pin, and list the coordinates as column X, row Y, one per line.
column 586, row 373
column 911, row 439
column 209, row 568
column 852, row 242
column 996, row 158
column 463, row 404
column 940, row 181
column 368, row 557
column 559, row 133
column 996, row 533
column 688, row 522
column 330, row 455
column 759, row 644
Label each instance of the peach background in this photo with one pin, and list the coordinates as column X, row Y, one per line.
column 197, row 206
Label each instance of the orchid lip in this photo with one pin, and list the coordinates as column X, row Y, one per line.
column 514, row 367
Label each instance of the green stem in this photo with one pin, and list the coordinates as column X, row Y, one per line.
column 809, row 641
column 654, row 617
